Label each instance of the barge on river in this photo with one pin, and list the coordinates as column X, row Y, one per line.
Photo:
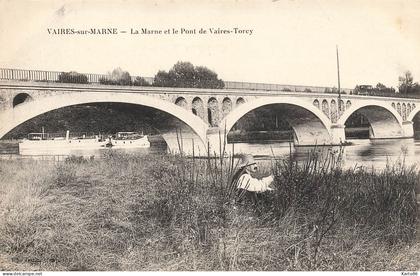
column 46, row 141
column 128, row 140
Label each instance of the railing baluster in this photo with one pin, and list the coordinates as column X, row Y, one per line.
column 53, row 76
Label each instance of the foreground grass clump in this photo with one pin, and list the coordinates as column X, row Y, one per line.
column 128, row 212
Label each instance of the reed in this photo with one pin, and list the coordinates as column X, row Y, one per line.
column 170, row 212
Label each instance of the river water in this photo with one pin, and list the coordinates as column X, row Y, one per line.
column 362, row 152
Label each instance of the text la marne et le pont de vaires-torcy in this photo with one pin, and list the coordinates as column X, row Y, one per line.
column 148, row 31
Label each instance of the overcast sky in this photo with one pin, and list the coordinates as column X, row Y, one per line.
column 292, row 42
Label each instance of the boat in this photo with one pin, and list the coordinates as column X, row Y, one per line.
column 128, row 140
column 46, row 141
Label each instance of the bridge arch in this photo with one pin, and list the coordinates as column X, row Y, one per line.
column 181, row 101
column 384, row 120
column 23, row 112
column 240, row 101
column 226, row 106
column 213, row 112
column 197, row 108
column 414, row 110
column 21, row 98
column 309, row 123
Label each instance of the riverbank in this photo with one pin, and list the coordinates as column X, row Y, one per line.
column 151, row 212
column 9, row 146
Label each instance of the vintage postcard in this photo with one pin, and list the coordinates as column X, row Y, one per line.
column 209, row 135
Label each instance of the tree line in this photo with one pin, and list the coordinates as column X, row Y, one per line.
column 182, row 74
column 185, row 74
column 406, row 87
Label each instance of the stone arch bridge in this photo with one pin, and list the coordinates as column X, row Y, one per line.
column 209, row 114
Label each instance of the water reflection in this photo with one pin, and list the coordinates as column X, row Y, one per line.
column 366, row 153
column 98, row 153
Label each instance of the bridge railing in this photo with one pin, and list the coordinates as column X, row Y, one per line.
column 55, row 76
column 282, row 87
column 47, row 76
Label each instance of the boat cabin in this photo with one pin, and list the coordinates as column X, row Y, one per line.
column 126, row 135
column 38, row 136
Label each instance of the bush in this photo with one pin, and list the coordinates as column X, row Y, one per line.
column 139, row 81
column 72, row 77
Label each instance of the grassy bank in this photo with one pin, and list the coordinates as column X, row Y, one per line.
column 127, row 212
column 9, row 146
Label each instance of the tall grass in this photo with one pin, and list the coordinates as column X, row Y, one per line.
column 163, row 212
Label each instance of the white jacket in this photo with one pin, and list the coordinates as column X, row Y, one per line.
column 249, row 183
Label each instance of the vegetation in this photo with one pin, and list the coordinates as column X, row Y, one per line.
column 184, row 74
column 407, row 85
column 128, row 212
column 117, row 77
column 379, row 90
column 264, row 119
column 140, row 81
column 72, row 77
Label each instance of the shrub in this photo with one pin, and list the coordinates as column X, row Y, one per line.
column 72, row 77
column 139, row 81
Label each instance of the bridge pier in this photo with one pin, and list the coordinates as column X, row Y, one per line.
column 408, row 129
column 186, row 142
column 217, row 142
column 338, row 135
column 385, row 130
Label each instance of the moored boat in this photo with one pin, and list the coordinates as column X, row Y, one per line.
column 128, row 140
column 46, row 141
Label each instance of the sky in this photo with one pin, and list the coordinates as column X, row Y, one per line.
column 292, row 42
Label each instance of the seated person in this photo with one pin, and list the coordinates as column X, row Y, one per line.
column 246, row 184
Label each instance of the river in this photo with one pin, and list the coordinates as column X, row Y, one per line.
column 361, row 152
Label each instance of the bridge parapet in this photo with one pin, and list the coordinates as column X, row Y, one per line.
column 316, row 118
column 216, row 103
column 93, row 78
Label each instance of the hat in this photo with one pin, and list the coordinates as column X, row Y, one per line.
column 246, row 160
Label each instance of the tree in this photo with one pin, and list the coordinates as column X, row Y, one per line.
column 207, row 79
column 139, row 81
column 382, row 89
column 117, row 77
column 185, row 74
column 380, row 86
column 162, row 79
column 406, row 84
